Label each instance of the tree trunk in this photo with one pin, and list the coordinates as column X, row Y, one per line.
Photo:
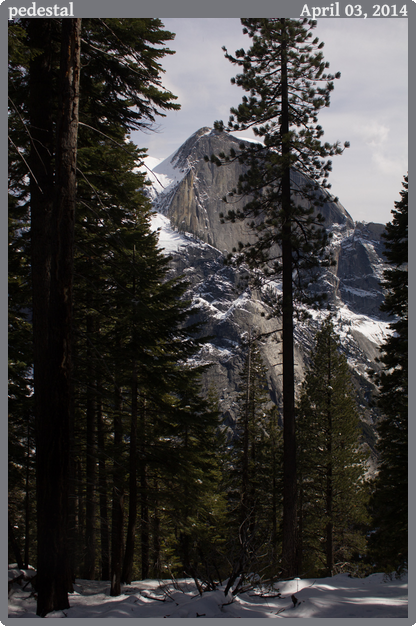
column 127, row 572
column 118, row 500
column 27, row 499
column 72, row 500
column 52, row 268
column 104, row 523
column 79, row 518
column 289, row 441
column 275, row 484
column 144, row 500
column 89, row 562
column 244, row 521
column 157, row 566
column 329, row 486
column 15, row 546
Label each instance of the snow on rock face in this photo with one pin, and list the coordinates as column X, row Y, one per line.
column 188, row 202
column 190, row 190
column 169, row 239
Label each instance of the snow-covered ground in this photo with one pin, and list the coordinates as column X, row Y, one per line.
column 338, row 597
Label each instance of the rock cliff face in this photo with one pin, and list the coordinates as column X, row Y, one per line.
column 193, row 198
column 188, row 191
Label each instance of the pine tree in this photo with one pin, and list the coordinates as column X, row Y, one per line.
column 255, row 480
column 280, row 72
column 197, row 502
column 332, row 491
column 131, row 98
column 52, row 209
column 113, row 220
column 20, row 406
column 140, row 331
column 389, row 543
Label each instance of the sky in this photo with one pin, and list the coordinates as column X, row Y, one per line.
column 369, row 105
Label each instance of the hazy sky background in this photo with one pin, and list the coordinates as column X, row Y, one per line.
column 368, row 105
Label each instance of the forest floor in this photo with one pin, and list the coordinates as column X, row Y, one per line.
column 377, row 596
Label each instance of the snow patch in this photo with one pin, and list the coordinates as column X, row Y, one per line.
column 166, row 174
column 169, row 239
column 376, row 596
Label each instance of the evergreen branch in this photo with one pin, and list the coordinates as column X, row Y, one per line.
column 119, row 145
column 30, row 137
column 26, row 163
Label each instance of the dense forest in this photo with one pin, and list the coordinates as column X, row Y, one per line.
column 120, row 464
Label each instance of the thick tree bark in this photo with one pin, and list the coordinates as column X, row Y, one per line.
column 289, row 441
column 53, row 209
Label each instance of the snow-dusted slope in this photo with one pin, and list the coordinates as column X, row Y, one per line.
column 187, row 198
column 169, row 239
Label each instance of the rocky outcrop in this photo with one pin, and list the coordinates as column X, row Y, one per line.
column 359, row 269
column 189, row 191
column 194, row 200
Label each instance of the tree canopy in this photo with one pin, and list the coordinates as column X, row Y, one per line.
column 285, row 77
column 389, row 543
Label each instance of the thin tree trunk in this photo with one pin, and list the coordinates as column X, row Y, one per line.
column 118, row 500
column 244, row 474
column 53, row 344
column 15, row 546
column 27, row 499
column 127, row 572
column 102, row 472
column 300, row 528
column 144, row 501
column 157, row 569
column 252, row 498
column 80, row 513
column 89, row 562
column 72, row 500
column 289, row 441
column 274, row 490
column 184, row 537
column 329, row 487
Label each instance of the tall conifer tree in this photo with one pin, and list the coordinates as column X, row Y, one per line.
column 254, row 468
column 285, row 76
column 389, row 543
column 332, row 491
column 52, row 227
column 44, row 123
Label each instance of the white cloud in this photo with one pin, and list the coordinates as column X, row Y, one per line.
column 375, row 134
column 389, row 166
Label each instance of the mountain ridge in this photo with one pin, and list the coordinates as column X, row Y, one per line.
column 188, row 195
